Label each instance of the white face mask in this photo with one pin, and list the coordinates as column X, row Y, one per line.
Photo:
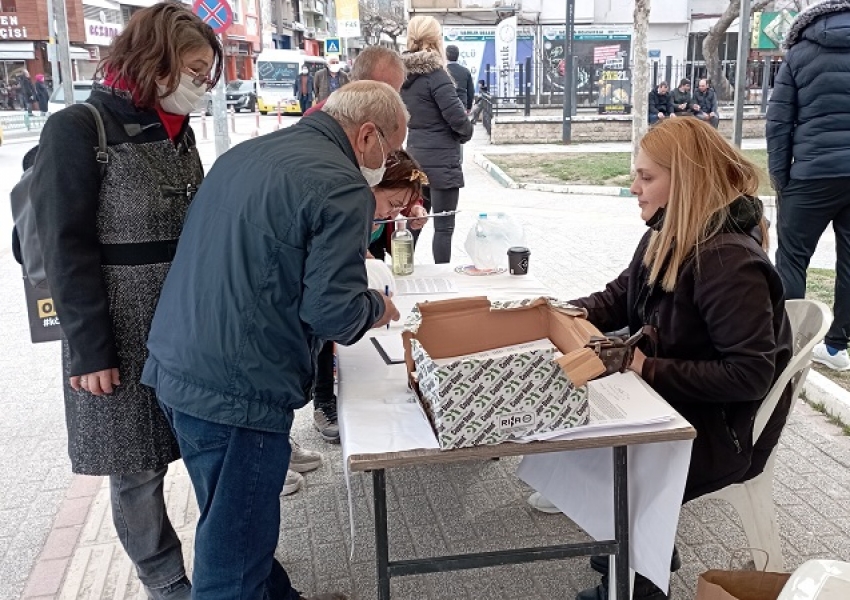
column 184, row 99
column 304, row 71
column 334, row 68
column 375, row 176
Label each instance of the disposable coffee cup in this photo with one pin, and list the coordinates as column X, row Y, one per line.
column 518, row 260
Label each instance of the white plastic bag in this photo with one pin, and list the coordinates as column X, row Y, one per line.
column 488, row 241
column 380, row 276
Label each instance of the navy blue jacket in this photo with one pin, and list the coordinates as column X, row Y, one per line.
column 270, row 264
column 808, row 118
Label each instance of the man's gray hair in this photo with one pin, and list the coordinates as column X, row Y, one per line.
column 375, row 59
column 362, row 102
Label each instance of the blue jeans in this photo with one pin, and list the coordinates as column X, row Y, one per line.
column 142, row 525
column 238, row 475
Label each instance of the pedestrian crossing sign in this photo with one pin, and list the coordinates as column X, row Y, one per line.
column 332, row 46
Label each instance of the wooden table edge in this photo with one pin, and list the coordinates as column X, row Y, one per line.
column 434, row 456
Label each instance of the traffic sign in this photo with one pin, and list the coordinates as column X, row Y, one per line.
column 215, row 13
column 332, row 46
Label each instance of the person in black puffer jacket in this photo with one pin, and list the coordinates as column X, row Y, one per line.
column 437, row 127
column 808, row 124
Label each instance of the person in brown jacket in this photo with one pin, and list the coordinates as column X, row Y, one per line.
column 329, row 80
column 718, row 335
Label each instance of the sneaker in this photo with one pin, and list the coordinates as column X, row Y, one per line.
column 293, row 482
column 179, row 590
column 643, row 589
column 303, row 460
column 325, row 420
column 823, row 354
column 538, row 502
column 331, row 596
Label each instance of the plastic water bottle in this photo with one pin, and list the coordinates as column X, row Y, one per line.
column 483, row 253
column 401, row 246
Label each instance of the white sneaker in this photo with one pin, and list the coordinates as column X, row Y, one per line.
column 839, row 361
column 303, row 460
column 293, row 482
column 538, row 502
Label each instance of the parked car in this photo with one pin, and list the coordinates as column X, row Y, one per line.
column 82, row 91
column 242, row 94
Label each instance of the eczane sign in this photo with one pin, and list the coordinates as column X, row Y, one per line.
column 101, row 34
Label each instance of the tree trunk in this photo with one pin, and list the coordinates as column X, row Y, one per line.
column 711, row 44
column 640, row 75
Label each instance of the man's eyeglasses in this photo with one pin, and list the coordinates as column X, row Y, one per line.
column 198, row 80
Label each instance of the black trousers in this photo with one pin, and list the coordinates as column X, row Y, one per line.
column 440, row 200
column 323, row 388
column 805, row 208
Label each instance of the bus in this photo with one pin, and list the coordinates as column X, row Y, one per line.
column 276, row 73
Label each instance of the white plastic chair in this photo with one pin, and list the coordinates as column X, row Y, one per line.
column 818, row 580
column 753, row 499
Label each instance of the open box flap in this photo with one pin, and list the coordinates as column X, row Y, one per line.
column 581, row 366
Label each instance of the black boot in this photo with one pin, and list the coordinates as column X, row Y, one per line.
column 644, row 590
column 599, row 563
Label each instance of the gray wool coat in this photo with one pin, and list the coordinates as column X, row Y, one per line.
column 108, row 242
column 438, row 122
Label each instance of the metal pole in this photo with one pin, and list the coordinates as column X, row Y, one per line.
column 61, row 17
column 222, row 137
column 528, row 84
column 765, row 83
column 668, row 71
column 51, row 44
column 741, row 71
column 655, row 74
column 567, row 132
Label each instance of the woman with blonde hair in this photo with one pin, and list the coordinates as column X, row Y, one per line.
column 438, row 125
column 109, row 226
column 709, row 301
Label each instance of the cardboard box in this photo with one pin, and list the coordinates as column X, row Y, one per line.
column 472, row 401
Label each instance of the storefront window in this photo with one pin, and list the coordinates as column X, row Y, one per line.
column 8, row 6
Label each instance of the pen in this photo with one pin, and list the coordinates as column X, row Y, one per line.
column 387, row 292
column 445, row 213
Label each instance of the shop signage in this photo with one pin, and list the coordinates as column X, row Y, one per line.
column 101, row 34
column 10, row 29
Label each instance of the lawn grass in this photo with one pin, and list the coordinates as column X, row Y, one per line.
column 592, row 168
column 820, row 285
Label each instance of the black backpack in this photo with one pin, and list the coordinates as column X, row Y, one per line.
column 26, row 245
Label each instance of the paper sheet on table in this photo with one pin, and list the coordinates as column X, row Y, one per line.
column 580, row 484
column 406, row 286
column 619, row 401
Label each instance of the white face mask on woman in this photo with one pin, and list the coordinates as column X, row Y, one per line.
column 185, row 98
column 375, row 176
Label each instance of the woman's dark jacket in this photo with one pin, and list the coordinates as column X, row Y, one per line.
column 438, row 122
column 108, row 239
column 722, row 340
column 808, row 118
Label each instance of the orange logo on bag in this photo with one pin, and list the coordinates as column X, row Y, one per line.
column 46, row 308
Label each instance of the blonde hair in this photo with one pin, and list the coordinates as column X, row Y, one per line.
column 707, row 174
column 425, row 33
column 362, row 102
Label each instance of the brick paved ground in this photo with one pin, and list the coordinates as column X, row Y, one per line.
column 578, row 244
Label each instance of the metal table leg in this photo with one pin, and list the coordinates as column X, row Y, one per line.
column 382, row 543
column 621, row 522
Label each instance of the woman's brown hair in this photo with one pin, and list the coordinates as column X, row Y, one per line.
column 151, row 47
column 403, row 172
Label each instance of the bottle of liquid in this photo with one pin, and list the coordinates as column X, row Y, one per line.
column 483, row 258
column 401, row 246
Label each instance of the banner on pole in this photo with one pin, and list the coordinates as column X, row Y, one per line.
column 348, row 18
column 506, row 32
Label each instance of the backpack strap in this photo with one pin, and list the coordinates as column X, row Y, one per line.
column 102, row 154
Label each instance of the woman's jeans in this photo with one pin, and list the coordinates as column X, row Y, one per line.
column 443, row 200
column 138, row 512
column 238, row 475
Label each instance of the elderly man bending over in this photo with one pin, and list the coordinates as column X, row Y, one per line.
column 270, row 264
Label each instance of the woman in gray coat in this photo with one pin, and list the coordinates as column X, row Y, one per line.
column 108, row 234
column 438, row 125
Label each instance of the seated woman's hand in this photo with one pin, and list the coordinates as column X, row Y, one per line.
column 637, row 362
column 418, row 211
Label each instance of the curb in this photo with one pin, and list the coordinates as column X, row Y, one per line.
column 505, row 180
column 835, row 399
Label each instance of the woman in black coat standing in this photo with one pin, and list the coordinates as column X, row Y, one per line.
column 438, row 125
column 109, row 227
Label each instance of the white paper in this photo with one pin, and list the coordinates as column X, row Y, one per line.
column 541, row 344
column 406, row 286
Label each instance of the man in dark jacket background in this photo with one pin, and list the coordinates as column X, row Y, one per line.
column 704, row 103
column 808, row 125
column 660, row 103
column 26, row 91
column 682, row 99
column 463, row 78
column 269, row 266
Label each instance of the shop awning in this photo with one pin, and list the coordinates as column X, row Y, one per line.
column 78, row 53
column 17, row 51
